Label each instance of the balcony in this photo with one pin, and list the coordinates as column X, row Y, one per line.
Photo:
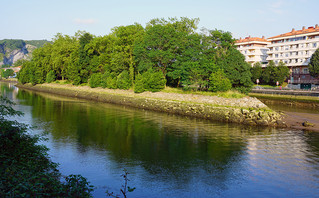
column 294, row 42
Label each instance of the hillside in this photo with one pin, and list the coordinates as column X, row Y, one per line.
column 12, row 50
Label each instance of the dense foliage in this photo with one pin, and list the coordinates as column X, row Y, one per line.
column 36, row 43
column 25, row 169
column 271, row 74
column 11, row 44
column 314, row 64
column 6, row 73
column 165, row 52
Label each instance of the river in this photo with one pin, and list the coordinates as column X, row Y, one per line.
column 168, row 155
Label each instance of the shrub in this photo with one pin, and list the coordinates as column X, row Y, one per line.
column 95, row 80
column 154, row 81
column 139, row 84
column 104, row 79
column 219, row 82
column 50, row 77
column 111, row 82
column 123, row 80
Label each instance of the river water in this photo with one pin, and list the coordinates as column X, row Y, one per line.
column 169, row 155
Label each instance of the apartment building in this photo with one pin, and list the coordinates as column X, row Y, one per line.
column 254, row 49
column 295, row 49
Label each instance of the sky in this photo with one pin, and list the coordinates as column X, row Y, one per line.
column 43, row 19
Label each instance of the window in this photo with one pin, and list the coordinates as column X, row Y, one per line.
column 276, row 62
column 287, row 54
column 305, row 71
column 314, row 45
column 276, row 55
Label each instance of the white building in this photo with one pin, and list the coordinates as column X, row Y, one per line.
column 254, row 49
column 295, row 49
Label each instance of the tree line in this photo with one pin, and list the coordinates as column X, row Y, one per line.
column 271, row 74
column 165, row 53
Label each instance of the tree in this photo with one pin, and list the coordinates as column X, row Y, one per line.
column 6, row 73
column 236, row 69
column 314, row 64
column 162, row 43
column 219, row 82
column 256, row 72
column 269, row 72
column 273, row 73
column 282, row 72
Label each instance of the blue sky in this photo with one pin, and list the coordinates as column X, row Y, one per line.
column 42, row 19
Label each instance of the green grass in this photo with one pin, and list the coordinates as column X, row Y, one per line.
column 273, row 87
column 228, row 94
column 306, row 99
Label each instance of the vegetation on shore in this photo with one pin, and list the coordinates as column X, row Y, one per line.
column 25, row 167
column 271, row 74
column 291, row 98
column 164, row 53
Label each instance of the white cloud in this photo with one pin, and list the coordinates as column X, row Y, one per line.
column 85, row 21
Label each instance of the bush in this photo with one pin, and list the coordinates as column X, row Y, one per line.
column 219, row 82
column 154, row 81
column 111, row 82
column 104, row 79
column 123, row 80
column 95, row 80
column 50, row 77
column 139, row 84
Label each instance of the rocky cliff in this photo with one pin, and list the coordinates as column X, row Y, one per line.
column 12, row 50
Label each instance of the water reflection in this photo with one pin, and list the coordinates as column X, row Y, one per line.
column 172, row 156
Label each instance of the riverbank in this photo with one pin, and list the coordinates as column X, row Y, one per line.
column 245, row 110
column 9, row 80
column 286, row 99
column 295, row 120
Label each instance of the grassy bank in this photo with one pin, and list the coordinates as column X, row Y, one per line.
column 238, row 110
column 287, row 98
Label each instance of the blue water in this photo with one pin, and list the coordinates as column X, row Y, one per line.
column 168, row 155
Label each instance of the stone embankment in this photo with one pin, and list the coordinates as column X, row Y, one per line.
column 245, row 110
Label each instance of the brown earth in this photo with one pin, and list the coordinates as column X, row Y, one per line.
column 296, row 120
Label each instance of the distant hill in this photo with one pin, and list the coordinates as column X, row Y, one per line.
column 12, row 50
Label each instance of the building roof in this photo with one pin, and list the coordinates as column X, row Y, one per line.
column 251, row 39
column 297, row 32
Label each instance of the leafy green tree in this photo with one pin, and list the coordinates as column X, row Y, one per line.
column 282, row 72
column 256, row 72
column 314, row 64
column 273, row 73
column 236, row 69
column 7, row 73
column 162, row 43
column 124, row 40
column 219, row 82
